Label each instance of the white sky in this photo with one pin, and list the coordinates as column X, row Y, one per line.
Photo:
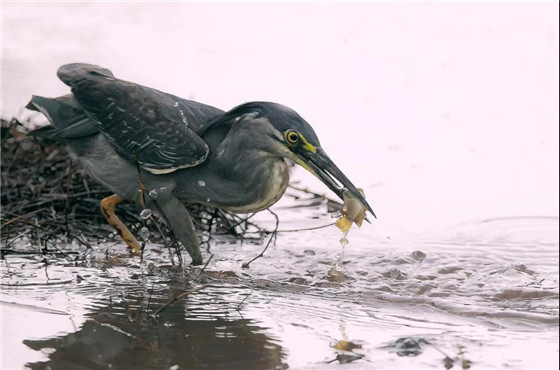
column 443, row 112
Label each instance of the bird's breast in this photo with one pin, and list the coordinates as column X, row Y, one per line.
column 265, row 188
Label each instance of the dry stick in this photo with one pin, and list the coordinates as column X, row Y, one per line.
column 244, row 299
column 47, row 240
column 57, row 197
column 18, row 218
column 149, row 299
column 82, row 242
column 273, row 236
column 292, row 230
column 306, row 228
column 204, row 267
column 261, row 254
column 164, row 240
column 307, row 191
column 244, row 220
column 68, row 192
column 184, row 294
column 210, row 223
column 5, row 252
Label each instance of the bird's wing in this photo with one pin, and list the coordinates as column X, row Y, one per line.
column 145, row 126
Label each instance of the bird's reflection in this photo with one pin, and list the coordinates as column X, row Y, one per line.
column 123, row 335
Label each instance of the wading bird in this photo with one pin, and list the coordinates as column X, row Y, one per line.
column 129, row 137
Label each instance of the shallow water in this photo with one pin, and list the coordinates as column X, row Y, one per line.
column 446, row 115
column 488, row 287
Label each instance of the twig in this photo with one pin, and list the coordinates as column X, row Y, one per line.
column 68, row 192
column 210, row 223
column 5, row 252
column 164, row 241
column 18, row 218
column 307, row 191
column 245, row 265
column 306, row 228
column 150, row 298
column 244, row 299
column 184, row 294
column 273, row 236
column 204, row 267
column 290, row 230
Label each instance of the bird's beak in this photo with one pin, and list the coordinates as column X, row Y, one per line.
column 319, row 164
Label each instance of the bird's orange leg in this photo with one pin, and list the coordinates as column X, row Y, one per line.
column 108, row 210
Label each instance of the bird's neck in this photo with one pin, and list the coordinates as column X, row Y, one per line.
column 242, row 174
column 256, row 183
column 241, row 180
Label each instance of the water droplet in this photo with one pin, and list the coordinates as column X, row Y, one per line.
column 201, row 183
column 153, row 194
column 144, row 233
column 146, row 213
column 344, row 241
column 176, row 104
column 208, row 200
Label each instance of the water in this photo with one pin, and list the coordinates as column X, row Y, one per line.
column 416, row 103
column 490, row 287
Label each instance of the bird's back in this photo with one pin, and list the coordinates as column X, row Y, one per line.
column 69, row 120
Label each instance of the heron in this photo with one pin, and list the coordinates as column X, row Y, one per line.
column 134, row 139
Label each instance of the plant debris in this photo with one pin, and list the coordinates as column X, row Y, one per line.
column 45, row 195
column 48, row 200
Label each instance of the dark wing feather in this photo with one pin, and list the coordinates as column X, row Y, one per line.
column 144, row 125
column 68, row 119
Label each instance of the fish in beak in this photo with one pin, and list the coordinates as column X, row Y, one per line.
column 320, row 165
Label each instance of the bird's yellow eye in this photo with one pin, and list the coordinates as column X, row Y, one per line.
column 292, row 137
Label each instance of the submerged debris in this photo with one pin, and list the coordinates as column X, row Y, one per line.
column 336, row 275
column 344, row 345
column 346, row 352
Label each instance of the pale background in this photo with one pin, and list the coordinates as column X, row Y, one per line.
column 444, row 113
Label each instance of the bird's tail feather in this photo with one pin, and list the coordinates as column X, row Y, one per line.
column 68, row 119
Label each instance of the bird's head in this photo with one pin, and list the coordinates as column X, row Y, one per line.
column 283, row 132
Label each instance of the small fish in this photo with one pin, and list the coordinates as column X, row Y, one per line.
column 352, row 211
